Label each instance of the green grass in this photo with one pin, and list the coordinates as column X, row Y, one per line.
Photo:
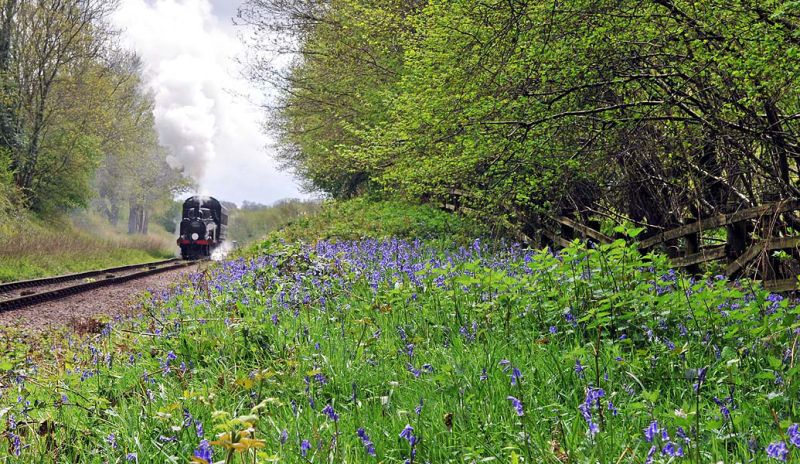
column 376, row 329
column 380, row 219
column 12, row 269
column 32, row 248
column 247, row 226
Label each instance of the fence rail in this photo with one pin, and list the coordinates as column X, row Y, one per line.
column 721, row 220
column 750, row 239
column 751, row 234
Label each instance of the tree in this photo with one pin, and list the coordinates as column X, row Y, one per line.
column 655, row 112
column 344, row 55
column 54, row 43
column 9, row 135
column 134, row 173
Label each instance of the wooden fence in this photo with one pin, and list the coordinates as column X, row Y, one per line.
column 742, row 242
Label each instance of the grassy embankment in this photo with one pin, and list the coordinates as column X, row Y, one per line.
column 444, row 351
column 31, row 248
column 250, row 224
column 362, row 218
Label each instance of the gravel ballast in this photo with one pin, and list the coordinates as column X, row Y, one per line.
column 77, row 310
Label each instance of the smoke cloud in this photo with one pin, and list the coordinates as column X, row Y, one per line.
column 181, row 51
column 189, row 48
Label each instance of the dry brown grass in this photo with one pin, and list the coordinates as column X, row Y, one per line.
column 68, row 240
column 29, row 248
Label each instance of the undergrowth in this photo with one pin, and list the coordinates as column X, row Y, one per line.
column 367, row 218
column 403, row 351
column 31, row 248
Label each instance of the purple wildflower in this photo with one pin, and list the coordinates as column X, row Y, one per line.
column 407, row 433
column 612, row 408
column 651, row 432
column 579, row 368
column 777, row 451
column 16, row 443
column 328, row 411
column 682, row 434
column 187, row 418
column 701, row 377
column 650, row 455
column 517, row 404
column 204, row 451
column 468, row 336
column 670, row 449
column 794, row 435
column 723, row 406
column 370, row 447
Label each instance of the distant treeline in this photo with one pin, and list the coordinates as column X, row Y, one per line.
column 253, row 221
column 76, row 124
column 653, row 111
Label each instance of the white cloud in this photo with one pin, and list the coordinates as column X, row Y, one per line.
column 189, row 56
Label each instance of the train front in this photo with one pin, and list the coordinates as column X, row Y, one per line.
column 197, row 230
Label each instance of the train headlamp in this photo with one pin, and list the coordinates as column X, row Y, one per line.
column 195, row 236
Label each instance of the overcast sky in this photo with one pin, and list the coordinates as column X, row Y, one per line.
column 189, row 49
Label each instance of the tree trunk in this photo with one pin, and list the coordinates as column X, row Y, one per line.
column 113, row 214
column 145, row 221
column 8, row 122
column 138, row 219
column 775, row 131
column 133, row 218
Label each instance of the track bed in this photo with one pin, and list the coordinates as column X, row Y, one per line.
column 15, row 295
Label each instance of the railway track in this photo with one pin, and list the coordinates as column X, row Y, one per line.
column 15, row 295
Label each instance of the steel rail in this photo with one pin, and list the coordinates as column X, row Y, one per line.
column 23, row 284
column 62, row 292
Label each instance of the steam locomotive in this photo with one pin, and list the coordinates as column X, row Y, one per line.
column 204, row 226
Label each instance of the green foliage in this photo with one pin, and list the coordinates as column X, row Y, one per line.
column 379, row 219
column 352, row 53
column 31, row 247
column 68, row 166
column 655, row 112
column 321, row 341
column 76, row 124
column 253, row 222
column 8, row 194
column 169, row 216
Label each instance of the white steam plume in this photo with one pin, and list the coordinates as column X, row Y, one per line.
column 189, row 48
column 184, row 50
